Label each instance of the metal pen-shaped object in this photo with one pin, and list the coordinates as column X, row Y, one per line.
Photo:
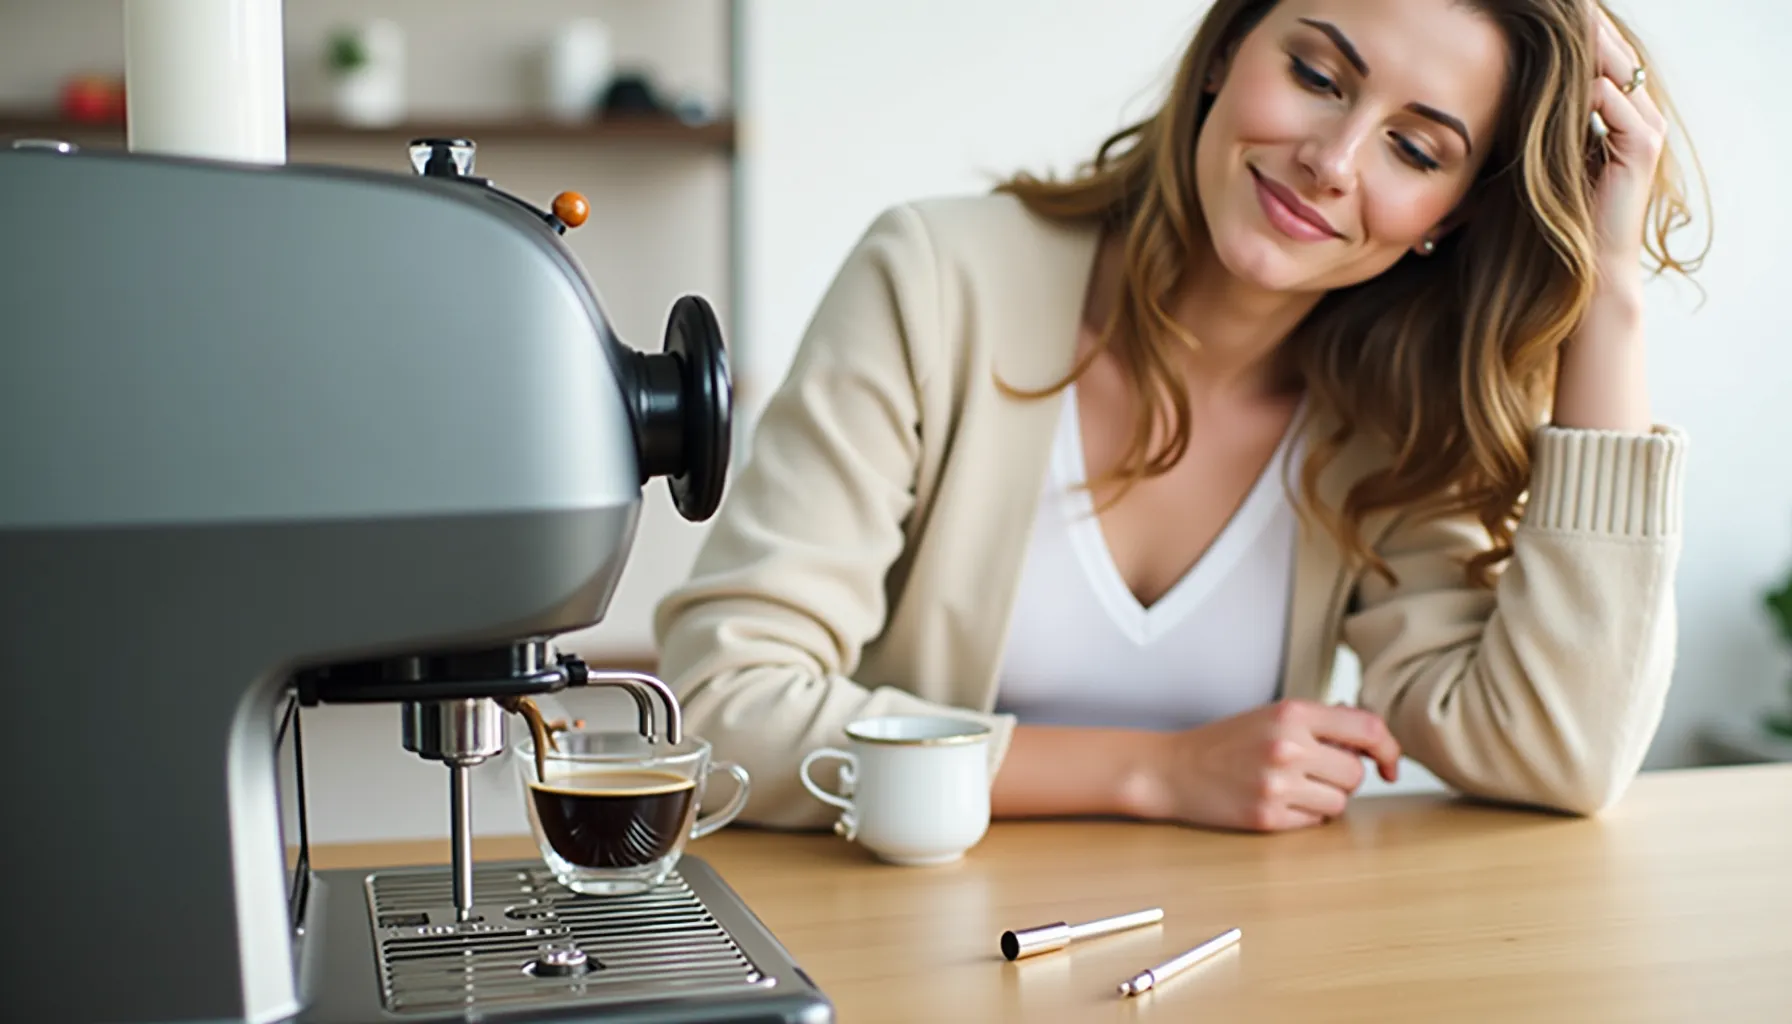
column 1017, row 945
column 1145, row 981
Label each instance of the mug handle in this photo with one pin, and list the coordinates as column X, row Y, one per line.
column 710, row 822
column 849, row 774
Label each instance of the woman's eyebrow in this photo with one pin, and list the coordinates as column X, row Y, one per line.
column 1349, row 50
column 1342, row 42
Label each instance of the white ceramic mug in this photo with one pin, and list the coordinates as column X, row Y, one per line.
column 915, row 788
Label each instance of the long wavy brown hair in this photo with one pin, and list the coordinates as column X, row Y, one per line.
column 1449, row 361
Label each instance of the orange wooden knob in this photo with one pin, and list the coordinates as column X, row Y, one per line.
column 571, row 208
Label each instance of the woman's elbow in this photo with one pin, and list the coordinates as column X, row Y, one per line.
column 1590, row 797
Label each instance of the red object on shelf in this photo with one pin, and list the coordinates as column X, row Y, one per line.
column 93, row 99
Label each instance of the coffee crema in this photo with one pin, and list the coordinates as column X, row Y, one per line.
column 613, row 819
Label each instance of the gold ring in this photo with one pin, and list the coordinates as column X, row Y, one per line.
column 1637, row 78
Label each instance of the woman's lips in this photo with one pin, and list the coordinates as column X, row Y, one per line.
column 1290, row 216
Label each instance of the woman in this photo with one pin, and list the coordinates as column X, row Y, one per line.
column 1346, row 345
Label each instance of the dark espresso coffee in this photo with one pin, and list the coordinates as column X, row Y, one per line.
column 621, row 819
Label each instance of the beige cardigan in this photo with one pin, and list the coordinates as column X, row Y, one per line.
column 866, row 557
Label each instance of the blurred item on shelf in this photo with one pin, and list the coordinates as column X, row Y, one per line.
column 576, row 69
column 634, row 94
column 93, row 99
column 365, row 63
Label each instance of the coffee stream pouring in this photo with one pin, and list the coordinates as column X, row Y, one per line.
column 306, row 435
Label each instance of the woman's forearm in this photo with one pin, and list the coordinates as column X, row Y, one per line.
column 1054, row 770
column 1602, row 382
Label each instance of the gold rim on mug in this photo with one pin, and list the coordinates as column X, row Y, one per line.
column 981, row 733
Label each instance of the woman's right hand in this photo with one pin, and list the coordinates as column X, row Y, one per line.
column 1284, row 766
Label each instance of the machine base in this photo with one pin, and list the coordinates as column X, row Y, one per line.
column 384, row 946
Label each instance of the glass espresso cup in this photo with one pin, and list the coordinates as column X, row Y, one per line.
column 611, row 811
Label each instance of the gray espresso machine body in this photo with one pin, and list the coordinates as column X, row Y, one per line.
column 276, row 436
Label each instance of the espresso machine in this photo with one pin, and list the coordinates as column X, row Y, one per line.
column 277, row 436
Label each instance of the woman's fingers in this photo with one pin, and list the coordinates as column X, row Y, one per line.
column 1619, row 62
column 1336, row 766
column 1358, row 730
column 1312, row 797
column 1632, row 138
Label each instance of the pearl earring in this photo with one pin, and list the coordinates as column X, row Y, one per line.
column 1427, row 247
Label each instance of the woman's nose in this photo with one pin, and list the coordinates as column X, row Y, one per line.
column 1329, row 157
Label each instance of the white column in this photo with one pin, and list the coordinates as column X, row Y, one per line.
column 206, row 78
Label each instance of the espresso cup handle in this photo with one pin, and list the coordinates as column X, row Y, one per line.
column 848, row 775
column 709, row 823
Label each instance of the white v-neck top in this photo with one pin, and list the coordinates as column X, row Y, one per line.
column 1081, row 650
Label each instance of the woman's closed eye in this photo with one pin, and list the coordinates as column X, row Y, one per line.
column 1310, row 77
column 1313, row 80
column 1412, row 154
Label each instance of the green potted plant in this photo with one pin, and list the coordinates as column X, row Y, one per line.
column 345, row 53
column 365, row 64
column 1779, row 608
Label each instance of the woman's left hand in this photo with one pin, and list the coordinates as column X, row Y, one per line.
column 1602, row 381
column 1636, row 134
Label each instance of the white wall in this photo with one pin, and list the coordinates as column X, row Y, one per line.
column 1722, row 371
column 934, row 96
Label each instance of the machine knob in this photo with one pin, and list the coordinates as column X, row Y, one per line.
column 571, row 208
column 561, row 963
column 443, row 158
column 683, row 401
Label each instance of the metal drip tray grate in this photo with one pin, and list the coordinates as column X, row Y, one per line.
column 534, row 943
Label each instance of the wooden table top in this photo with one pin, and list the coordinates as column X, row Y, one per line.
column 1674, row 906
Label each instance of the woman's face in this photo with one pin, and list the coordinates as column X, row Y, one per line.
column 1343, row 134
